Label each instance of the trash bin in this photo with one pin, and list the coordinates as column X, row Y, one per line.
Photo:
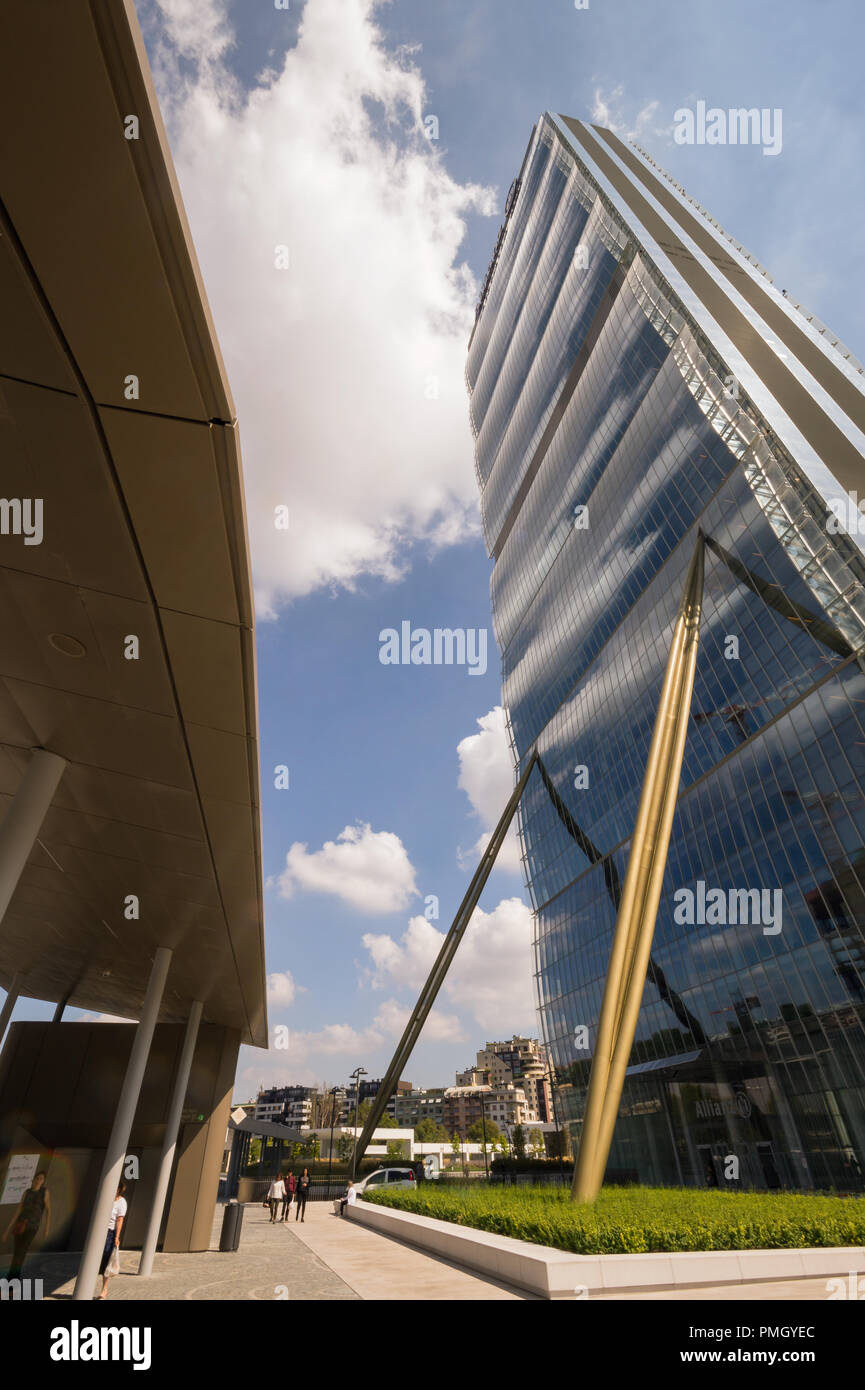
column 231, row 1223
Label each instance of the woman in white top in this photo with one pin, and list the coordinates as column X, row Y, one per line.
column 275, row 1194
column 112, row 1240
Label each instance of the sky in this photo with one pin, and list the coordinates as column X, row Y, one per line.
column 343, row 165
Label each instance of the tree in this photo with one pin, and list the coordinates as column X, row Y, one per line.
column 557, row 1144
column 310, row 1147
column 536, row 1139
column 519, row 1142
column 502, row 1144
column 395, row 1149
column 325, row 1108
column 455, row 1146
column 387, row 1122
column 344, row 1147
column 476, row 1131
column 426, row 1131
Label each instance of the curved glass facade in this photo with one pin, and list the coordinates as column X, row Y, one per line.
column 610, row 429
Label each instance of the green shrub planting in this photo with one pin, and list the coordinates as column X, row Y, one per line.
column 628, row 1220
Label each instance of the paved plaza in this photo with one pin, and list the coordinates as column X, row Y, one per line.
column 321, row 1258
column 326, row 1258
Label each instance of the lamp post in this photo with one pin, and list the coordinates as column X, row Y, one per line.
column 355, row 1076
column 332, row 1093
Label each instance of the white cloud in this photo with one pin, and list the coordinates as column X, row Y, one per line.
column 491, row 974
column 487, row 778
column 613, row 110
column 407, row 962
column 201, row 31
column 602, row 113
column 347, row 367
column 438, row 1027
column 368, row 869
column 303, row 1062
column 281, row 989
column 387, row 1027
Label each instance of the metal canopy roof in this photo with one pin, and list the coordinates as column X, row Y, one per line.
column 268, row 1129
column 144, row 534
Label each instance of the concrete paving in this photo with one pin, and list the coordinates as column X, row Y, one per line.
column 326, row 1258
column 271, row 1264
column 378, row 1267
column 321, row 1258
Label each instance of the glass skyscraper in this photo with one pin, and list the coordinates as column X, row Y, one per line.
column 636, row 378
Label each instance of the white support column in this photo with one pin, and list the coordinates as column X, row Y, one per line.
column 169, row 1143
column 8, row 1005
column 112, row 1168
column 24, row 818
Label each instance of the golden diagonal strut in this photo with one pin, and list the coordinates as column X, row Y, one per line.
column 635, row 923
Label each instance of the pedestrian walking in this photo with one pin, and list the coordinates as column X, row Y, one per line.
column 25, row 1224
column 275, row 1194
column 301, row 1195
column 290, row 1188
column 109, row 1265
column 286, row 1200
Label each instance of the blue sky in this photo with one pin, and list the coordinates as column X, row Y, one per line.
column 299, row 128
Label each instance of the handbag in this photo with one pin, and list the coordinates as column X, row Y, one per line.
column 113, row 1266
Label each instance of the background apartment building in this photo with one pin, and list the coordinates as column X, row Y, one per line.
column 368, row 1089
column 518, row 1061
column 287, row 1105
column 505, row 1105
column 410, row 1107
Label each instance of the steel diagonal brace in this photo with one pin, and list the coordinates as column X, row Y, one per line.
column 638, row 910
column 440, row 968
column 614, row 887
column 775, row 597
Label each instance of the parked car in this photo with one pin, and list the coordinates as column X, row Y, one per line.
column 392, row 1177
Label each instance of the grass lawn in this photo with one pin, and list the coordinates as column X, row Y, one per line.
column 626, row 1220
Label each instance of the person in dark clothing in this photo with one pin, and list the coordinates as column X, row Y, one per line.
column 25, row 1224
column 301, row 1195
column 290, row 1188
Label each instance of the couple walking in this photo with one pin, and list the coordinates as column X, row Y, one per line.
column 286, row 1191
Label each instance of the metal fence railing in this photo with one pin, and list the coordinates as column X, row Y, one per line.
column 321, row 1188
